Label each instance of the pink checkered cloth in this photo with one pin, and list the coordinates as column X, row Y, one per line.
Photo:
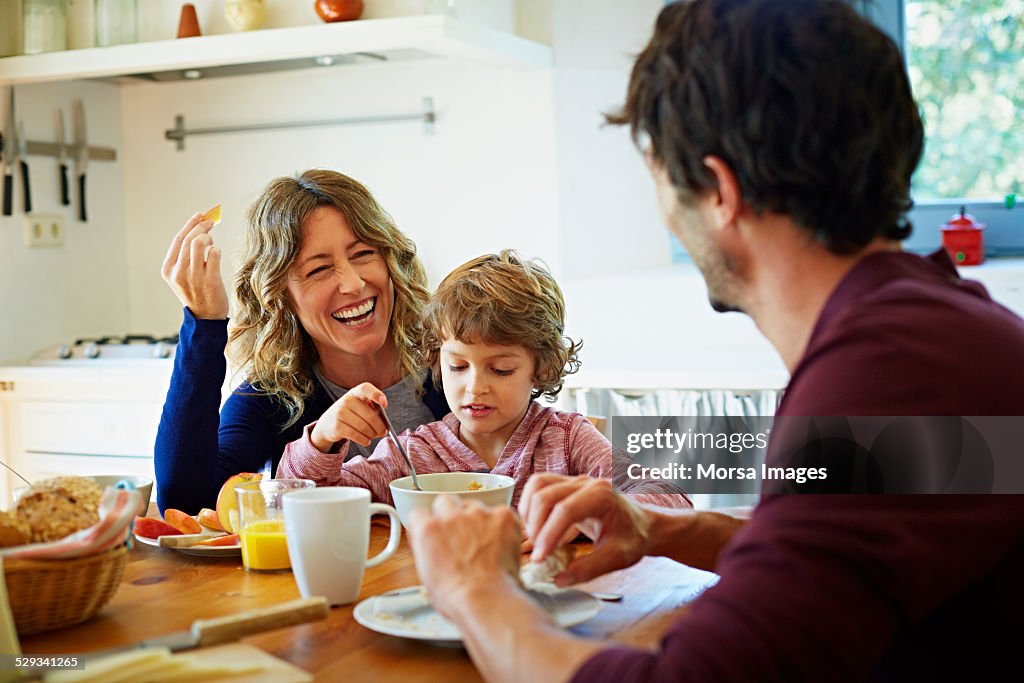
column 118, row 509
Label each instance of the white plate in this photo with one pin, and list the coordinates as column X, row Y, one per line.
column 201, row 551
column 407, row 613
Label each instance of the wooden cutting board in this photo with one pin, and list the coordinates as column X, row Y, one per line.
column 276, row 670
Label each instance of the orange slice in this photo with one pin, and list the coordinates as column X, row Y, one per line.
column 213, row 215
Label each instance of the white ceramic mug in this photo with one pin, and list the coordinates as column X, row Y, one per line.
column 328, row 532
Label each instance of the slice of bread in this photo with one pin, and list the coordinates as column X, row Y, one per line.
column 61, row 506
column 533, row 573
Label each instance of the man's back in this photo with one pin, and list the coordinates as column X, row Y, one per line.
column 902, row 335
column 929, row 579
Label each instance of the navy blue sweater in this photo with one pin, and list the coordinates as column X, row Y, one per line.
column 199, row 445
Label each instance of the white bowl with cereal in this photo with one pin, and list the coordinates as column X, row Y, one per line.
column 489, row 489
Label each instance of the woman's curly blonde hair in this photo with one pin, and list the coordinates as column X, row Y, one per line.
column 266, row 339
column 506, row 300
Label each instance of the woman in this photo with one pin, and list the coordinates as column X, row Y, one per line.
column 329, row 295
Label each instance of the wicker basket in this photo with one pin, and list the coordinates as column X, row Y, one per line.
column 51, row 594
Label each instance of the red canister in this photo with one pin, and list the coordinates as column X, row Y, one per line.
column 964, row 239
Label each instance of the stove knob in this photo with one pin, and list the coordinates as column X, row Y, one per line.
column 161, row 350
column 92, row 350
column 64, row 351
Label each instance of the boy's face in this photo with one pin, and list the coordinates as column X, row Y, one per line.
column 488, row 387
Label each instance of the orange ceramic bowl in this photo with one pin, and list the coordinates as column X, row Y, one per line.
column 339, row 10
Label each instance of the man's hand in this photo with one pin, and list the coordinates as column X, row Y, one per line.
column 527, row 543
column 460, row 549
column 552, row 503
column 467, row 557
column 354, row 417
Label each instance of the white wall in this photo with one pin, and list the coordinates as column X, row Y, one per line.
column 50, row 295
column 644, row 324
column 484, row 180
column 609, row 218
column 519, row 158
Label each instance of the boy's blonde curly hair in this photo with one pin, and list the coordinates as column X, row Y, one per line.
column 507, row 300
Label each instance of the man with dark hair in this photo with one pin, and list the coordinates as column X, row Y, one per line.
column 782, row 136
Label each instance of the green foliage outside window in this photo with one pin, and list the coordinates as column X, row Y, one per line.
column 966, row 62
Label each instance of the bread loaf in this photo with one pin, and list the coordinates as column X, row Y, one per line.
column 13, row 530
column 58, row 507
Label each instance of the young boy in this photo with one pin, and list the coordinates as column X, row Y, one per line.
column 493, row 333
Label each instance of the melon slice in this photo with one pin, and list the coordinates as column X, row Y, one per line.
column 213, row 215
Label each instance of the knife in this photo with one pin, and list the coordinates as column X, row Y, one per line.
column 10, row 153
column 3, row 172
column 22, row 153
column 82, row 158
column 219, row 630
column 62, row 160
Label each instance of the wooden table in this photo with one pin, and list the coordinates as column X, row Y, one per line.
column 164, row 591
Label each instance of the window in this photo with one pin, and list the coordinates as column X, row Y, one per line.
column 966, row 64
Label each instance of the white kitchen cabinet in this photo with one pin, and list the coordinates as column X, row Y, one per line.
column 80, row 421
column 108, row 428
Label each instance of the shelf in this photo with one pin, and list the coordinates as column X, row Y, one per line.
column 368, row 40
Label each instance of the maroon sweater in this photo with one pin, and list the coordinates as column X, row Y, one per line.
column 853, row 587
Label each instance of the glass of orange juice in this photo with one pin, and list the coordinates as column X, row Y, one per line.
column 261, row 522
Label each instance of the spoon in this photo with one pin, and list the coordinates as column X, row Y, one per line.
column 401, row 449
column 15, row 473
column 547, row 586
column 411, row 590
column 606, row 597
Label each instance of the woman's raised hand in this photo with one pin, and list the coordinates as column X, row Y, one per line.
column 192, row 269
column 354, row 417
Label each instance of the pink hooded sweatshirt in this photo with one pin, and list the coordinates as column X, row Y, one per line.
column 546, row 440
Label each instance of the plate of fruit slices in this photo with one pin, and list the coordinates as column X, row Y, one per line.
column 206, row 543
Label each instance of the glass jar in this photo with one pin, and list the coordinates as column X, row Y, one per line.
column 45, row 24
column 116, row 21
column 10, row 28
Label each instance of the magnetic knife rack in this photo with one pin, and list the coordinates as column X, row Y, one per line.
column 52, row 149
column 427, row 115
